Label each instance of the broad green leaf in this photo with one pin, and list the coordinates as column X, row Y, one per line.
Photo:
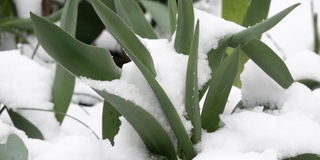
column 192, row 93
column 110, row 122
column 269, row 62
column 132, row 14
column 245, row 36
column 89, row 25
column 25, row 125
column 128, row 40
column 215, row 58
column 159, row 12
column 218, row 92
column 77, row 57
column 234, row 11
column 150, row 131
column 13, row 149
column 257, row 12
column 172, row 5
column 63, row 84
column 185, row 26
column 25, row 24
column 307, row 156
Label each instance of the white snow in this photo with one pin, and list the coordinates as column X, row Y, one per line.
column 288, row 128
column 25, row 7
column 31, row 86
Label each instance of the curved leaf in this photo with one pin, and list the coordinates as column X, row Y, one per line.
column 245, row 36
column 218, row 92
column 63, row 84
column 128, row 40
column 79, row 58
column 192, row 94
column 132, row 14
column 23, row 124
column 110, row 122
column 185, row 26
column 14, row 149
column 269, row 62
column 159, row 12
column 150, row 131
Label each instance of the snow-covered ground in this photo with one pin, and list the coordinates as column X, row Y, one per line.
column 290, row 127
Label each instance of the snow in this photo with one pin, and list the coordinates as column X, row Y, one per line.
column 24, row 7
column 31, row 86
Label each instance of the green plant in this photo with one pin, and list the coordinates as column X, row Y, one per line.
column 96, row 63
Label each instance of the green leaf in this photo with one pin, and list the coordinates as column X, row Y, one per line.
column 89, row 25
column 215, row 58
column 269, row 62
column 185, row 26
column 128, row 40
column 159, row 12
column 25, row 125
column 25, row 24
column 150, row 131
column 110, row 122
column 234, row 12
column 257, row 11
column 218, row 92
column 245, row 36
column 192, row 94
column 310, row 83
column 14, row 149
column 79, row 58
column 172, row 5
column 307, row 156
column 132, row 14
column 63, row 84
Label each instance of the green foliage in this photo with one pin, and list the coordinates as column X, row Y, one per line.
column 124, row 19
column 63, row 85
column 159, row 12
column 25, row 125
column 257, row 12
column 110, row 122
column 79, row 58
column 128, row 40
column 13, row 149
column 218, row 92
column 262, row 55
column 131, row 13
column 192, row 94
column 304, row 157
column 185, row 26
column 234, row 12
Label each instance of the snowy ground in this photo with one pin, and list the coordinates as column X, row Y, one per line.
column 291, row 127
